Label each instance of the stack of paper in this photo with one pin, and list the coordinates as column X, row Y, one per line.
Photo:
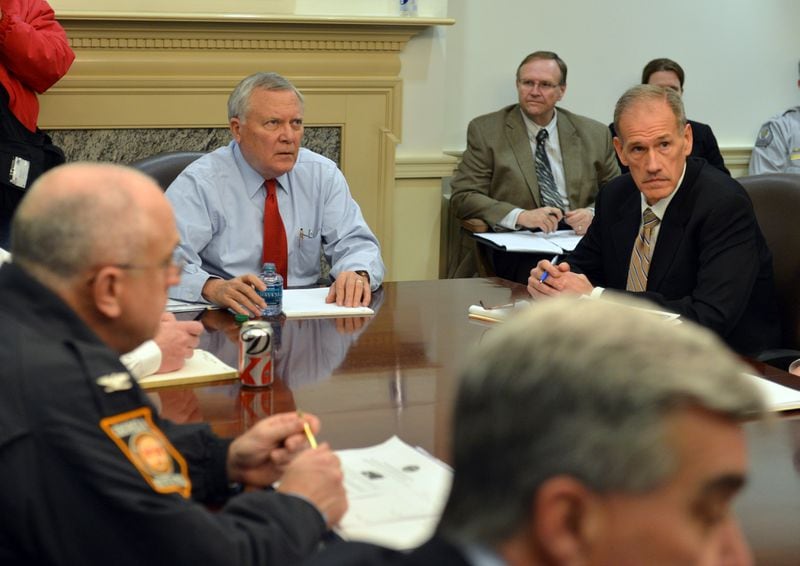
column 306, row 303
column 395, row 493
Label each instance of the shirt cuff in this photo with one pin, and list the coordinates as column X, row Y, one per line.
column 509, row 221
column 143, row 361
column 596, row 292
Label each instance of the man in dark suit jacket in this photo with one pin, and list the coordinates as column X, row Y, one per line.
column 496, row 180
column 572, row 445
column 706, row 259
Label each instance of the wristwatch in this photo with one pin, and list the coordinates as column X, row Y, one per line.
column 363, row 273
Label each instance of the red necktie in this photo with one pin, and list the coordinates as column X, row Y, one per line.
column 274, row 233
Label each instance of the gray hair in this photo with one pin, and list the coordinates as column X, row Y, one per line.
column 578, row 388
column 67, row 235
column 641, row 93
column 239, row 100
column 546, row 56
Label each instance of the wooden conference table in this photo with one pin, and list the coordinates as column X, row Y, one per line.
column 396, row 373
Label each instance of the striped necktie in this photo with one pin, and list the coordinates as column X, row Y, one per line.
column 642, row 251
column 547, row 184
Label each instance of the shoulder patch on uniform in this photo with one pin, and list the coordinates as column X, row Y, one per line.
column 149, row 450
column 764, row 136
column 111, row 382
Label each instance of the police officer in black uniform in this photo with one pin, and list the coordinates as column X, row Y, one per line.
column 90, row 473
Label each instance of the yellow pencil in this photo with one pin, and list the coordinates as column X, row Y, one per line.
column 310, row 435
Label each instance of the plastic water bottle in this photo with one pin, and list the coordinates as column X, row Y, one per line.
column 273, row 294
column 408, row 7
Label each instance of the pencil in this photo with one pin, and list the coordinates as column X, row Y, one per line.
column 309, row 435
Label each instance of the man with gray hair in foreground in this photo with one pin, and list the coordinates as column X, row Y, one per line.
column 573, row 446
column 92, row 474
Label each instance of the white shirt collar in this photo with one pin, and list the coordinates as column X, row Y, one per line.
column 533, row 128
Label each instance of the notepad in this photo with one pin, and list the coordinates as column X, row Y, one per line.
column 310, row 303
column 556, row 242
column 202, row 367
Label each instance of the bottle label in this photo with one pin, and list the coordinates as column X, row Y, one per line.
column 273, row 295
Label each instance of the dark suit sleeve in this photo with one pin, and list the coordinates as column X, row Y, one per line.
column 708, row 148
column 473, row 180
column 587, row 258
column 206, row 455
column 721, row 254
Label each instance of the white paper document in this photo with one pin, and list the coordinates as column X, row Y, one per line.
column 395, row 493
column 496, row 314
column 556, row 242
column 778, row 397
column 299, row 303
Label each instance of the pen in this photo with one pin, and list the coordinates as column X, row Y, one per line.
column 309, row 435
column 545, row 274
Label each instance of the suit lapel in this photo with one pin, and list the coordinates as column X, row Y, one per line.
column 520, row 144
column 624, row 231
column 673, row 227
column 571, row 156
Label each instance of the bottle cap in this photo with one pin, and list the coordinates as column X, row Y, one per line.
column 240, row 318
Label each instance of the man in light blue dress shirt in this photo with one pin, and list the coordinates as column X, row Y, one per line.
column 219, row 206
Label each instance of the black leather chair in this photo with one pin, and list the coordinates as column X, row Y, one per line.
column 164, row 167
column 776, row 201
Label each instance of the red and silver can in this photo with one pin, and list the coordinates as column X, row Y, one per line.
column 255, row 353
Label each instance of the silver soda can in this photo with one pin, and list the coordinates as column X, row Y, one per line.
column 255, row 353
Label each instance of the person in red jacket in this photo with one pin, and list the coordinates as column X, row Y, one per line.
column 34, row 55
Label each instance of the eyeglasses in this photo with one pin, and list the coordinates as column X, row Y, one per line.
column 172, row 266
column 544, row 86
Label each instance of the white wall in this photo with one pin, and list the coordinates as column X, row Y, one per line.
column 740, row 58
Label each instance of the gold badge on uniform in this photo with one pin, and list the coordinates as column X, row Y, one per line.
column 764, row 136
column 143, row 443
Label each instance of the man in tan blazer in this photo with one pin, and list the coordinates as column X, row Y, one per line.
column 498, row 178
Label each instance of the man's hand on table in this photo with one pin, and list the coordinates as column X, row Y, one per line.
column 579, row 220
column 276, row 448
column 350, row 289
column 177, row 340
column 260, row 455
column 238, row 294
column 317, row 476
column 559, row 280
column 545, row 218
